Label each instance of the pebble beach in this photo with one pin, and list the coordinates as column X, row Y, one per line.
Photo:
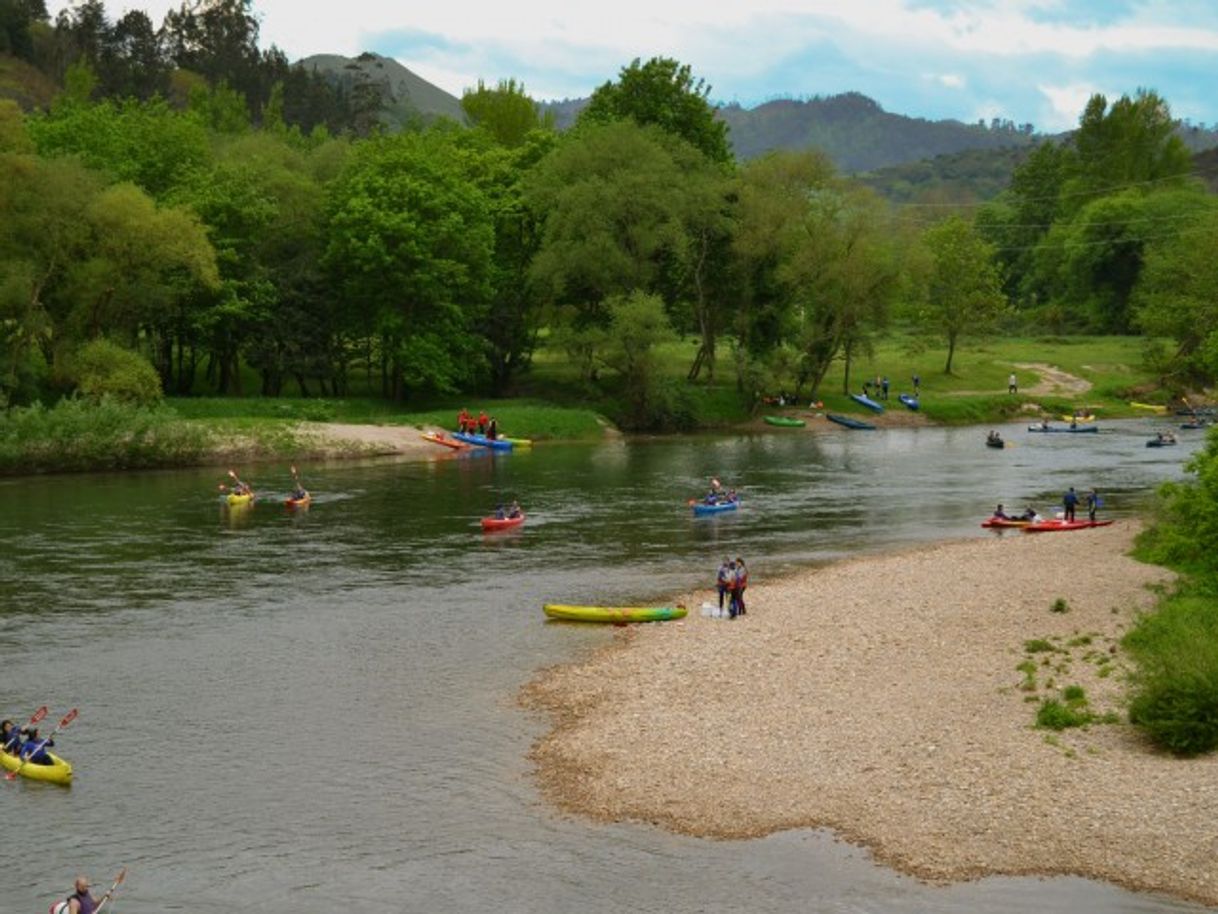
column 879, row 697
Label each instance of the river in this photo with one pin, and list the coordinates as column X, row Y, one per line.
column 315, row 712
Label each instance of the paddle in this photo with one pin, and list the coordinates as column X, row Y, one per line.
column 67, row 719
column 38, row 715
column 118, row 880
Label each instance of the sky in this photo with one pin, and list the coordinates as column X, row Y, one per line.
column 1028, row 61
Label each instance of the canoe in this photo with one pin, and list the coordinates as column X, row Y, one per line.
column 1076, row 430
column 999, row 443
column 441, row 438
column 303, row 502
column 702, row 507
column 910, row 402
column 58, row 772
column 1192, row 425
column 614, row 613
column 1155, row 442
column 497, row 444
column 867, row 402
column 1153, row 407
column 1004, row 522
column 1079, row 419
column 1058, row 524
column 784, row 421
column 235, row 501
column 501, row 523
column 850, row 423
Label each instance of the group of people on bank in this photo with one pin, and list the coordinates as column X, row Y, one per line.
column 485, row 425
column 1070, row 502
column 731, row 582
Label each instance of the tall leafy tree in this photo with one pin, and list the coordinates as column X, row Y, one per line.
column 411, row 241
column 964, row 291
column 506, row 112
column 665, row 93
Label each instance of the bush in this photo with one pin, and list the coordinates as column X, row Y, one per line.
column 1038, row 646
column 1053, row 715
column 1060, row 606
column 103, row 369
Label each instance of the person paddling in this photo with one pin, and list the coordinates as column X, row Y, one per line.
column 81, row 901
column 34, row 750
column 10, row 737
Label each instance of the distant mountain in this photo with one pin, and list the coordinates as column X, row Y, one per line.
column 405, row 97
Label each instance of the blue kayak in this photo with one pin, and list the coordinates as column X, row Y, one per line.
column 850, row 423
column 867, row 402
column 702, row 507
column 910, row 402
column 483, row 441
column 1076, row 429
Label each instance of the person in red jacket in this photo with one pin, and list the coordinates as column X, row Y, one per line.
column 482, row 420
column 742, row 583
column 463, row 421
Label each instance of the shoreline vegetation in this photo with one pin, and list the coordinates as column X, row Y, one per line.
column 904, row 719
column 81, row 434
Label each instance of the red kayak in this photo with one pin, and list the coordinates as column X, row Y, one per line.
column 502, row 523
column 1046, row 526
column 1005, row 522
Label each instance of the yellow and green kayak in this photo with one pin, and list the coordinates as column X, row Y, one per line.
column 517, row 442
column 614, row 613
column 1153, row 407
column 58, row 772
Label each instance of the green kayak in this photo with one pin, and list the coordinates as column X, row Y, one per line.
column 784, row 421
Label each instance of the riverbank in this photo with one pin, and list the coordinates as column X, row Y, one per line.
column 896, row 716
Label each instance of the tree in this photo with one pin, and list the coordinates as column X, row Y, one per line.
column 410, row 247
column 1177, row 297
column 662, row 92
column 964, row 292
column 506, row 112
column 637, row 324
column 16, row 18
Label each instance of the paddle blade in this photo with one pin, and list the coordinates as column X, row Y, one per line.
column 118, row 880
column 68, row 718
column 39, row 714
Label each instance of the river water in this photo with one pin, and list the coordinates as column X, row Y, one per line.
column 316, row 712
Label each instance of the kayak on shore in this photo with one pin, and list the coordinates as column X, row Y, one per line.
column 867, row 402
column 58, row 772
column 848, row 422
column 442, row 439
column 784, row 421
column 615, row 614
column 1046, row 526
column 1080, row 419
column 496, row 444
column 1001, row 523
column 909, row 401
column 1153, row 407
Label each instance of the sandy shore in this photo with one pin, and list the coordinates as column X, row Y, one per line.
column 345, row 439
column 880, row 697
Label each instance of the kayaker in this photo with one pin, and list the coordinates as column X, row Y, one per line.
column 492, row 428
column 34, row 750
column 10, row 737
column 500, row 512
column 80, row 901
column 1070, row 501
column 1030, row 514
column 514, row 510
column 742, row 583
column 723, row 582
column 1000, row 514
column 463, row 420
column 1093, row 502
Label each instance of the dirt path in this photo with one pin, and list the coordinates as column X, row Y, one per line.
column 1054, row 382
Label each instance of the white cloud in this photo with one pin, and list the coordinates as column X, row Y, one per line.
column 951, row 80
column 1066, row 103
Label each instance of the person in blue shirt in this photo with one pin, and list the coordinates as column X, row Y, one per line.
column 34, row 750
column 723, row 582
column 10, row 737
column 1070, row 501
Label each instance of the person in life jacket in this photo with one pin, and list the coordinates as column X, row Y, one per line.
column 34, row 750
column 80, row 901
column 10, row 737
column 482, row 420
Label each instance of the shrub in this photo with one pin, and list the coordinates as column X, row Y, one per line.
column 1037, row 646
column 1053, row 715
column 1074, row 695
column 103, row 369
column 1060, row 606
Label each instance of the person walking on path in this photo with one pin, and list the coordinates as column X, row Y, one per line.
column 723, row 582
column 1093, row 502
column 1070, row 500
column 884, row 386
column 1012, row 384
column 917, row 382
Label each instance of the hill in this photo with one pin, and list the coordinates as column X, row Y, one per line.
column 25, row 84
column 405, row 97
column 970, row 176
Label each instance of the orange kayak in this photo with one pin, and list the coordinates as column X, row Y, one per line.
column 441, row 438
column 502, row 523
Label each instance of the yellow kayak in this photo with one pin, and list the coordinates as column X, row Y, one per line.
column 614, row 613
column 58, row 772
column 1153, row 407
column 518, row 442
column 236, row 500
column 1081, row 420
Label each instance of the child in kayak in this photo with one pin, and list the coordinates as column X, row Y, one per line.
column 34, row 749
column 10, row 737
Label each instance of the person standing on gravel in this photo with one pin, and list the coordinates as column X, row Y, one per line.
column 1070, row 500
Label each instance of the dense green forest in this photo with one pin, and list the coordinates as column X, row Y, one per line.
column 186, row 208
